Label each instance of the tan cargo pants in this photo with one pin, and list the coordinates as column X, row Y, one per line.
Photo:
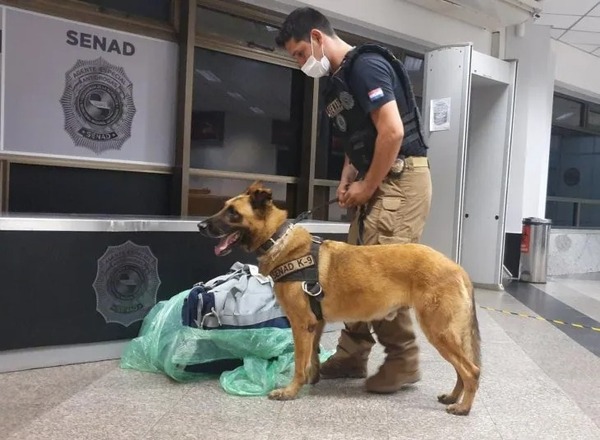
column 396, row 214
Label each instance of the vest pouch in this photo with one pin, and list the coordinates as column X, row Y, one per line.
column 360, row 149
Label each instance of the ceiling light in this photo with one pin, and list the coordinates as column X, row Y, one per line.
column 564, row 116
column 208, row 75
column 236, row 95
column 257, row 110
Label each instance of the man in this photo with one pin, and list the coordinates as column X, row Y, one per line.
column 385, row 176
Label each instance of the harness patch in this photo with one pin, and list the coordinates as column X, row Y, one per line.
column 292, row 266
column 305, row 269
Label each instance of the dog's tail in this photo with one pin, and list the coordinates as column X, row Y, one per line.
column 474, row 335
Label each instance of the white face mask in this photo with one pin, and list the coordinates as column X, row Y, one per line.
column 314, row 68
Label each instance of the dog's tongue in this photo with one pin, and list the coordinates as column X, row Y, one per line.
column 225, row 243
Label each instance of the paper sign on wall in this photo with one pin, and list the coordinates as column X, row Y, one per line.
column 439, row 117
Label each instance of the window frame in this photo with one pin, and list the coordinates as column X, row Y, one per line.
column 297, row 186
column 583, row 128
column 311, row 190
column 305, row 190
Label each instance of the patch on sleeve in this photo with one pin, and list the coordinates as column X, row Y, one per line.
column 376, row 94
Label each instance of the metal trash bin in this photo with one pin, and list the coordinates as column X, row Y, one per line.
column 535, row 241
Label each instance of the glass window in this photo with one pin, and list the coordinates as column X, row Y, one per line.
column 566, row 112
column 248, row 108
column 593, row 120
column 574, row 173
column 244, row 125
column 207, row 194
column 238, row 30
column 589, row 216
column 155, row 9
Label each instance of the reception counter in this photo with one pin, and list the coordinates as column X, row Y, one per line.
column 76, row 289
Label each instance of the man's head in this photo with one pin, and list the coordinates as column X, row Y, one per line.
column 307, row 32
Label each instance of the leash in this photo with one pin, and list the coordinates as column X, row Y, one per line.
column 304, row 215
column 362, row 214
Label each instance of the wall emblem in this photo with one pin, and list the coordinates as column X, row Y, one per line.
column 126, row 283
column 98, row 105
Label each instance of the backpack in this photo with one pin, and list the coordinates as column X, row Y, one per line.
column 241, row 298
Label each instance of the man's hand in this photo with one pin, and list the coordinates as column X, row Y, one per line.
column 341, row 191
column 349, row 174
column 357, row 194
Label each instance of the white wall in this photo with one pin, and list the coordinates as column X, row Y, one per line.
column 392, row 22
column 577, row 72
column 532, row 124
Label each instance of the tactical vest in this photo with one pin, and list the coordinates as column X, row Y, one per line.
column 354, row 128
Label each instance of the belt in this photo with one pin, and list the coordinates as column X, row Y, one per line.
column 407, row 163
column 416, row 162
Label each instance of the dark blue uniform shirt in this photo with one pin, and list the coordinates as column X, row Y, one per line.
column 374, row 83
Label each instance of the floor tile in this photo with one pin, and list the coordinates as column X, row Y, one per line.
column 34, row 392
column 121, row 405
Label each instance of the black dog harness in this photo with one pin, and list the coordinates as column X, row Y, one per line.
column 305, row 269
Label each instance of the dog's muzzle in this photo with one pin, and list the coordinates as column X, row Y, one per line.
column 205, row 229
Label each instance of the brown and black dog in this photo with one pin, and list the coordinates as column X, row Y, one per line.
column 360, row 283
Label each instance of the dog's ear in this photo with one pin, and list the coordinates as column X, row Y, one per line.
column 259, row 195
column 255, row 186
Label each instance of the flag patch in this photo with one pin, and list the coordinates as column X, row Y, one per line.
column 376, row 94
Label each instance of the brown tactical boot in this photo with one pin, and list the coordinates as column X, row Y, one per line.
column 392, row 376
column 350, row 358
column 342, row 365
column 401, row 365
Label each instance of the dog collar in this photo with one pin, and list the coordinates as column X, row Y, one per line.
column 280, row 232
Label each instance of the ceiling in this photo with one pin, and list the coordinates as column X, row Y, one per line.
column 574, row 22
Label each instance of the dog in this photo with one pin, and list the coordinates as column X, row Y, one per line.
column 355, row 283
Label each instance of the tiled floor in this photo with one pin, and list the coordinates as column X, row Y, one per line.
column 540, row 380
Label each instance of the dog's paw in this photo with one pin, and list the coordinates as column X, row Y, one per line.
column 447, row 399
column 458, row 409
column 282, row 394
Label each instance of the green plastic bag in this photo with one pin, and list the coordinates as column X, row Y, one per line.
column 165, row 346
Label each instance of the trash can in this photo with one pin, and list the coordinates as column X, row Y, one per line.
column 535, row 241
